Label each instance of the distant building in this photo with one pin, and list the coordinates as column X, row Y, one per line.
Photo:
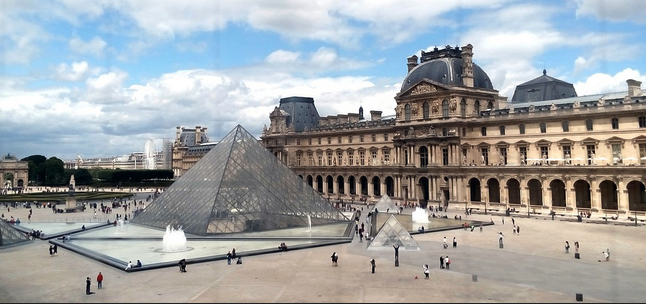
column 189, row 147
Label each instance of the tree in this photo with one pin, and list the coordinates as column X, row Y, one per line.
column 36, row 165
column 55, row 172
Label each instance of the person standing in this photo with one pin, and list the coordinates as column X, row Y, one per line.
column 229, row 258
column 441, row 262
column 500, row 236
column 455, row 243
column 99, row 280
column 55, row 249
column 88, row 283
column 444, row 244
column 182, row 265
column 447, row 261
column 335, row 258
column 396, row 251
column 426, row 271
column 233, row 253
column 51, row 250
column 373, row 265
column 567, row 247
column 576, row 246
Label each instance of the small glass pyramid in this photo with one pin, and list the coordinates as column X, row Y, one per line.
column 393, row 233
column 385, row 204
column 239, row 186
column 10, row 235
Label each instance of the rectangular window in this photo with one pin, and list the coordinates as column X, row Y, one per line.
column 339, row 158
column 320, row 157
column 483, row 131
column 329, row 158
column 616, row 154
column 543, row 127
column 362, row 158
column 351, row 158
column 385, row 136
column 310, row 158
column 386, row 156
column 338, row 140
column 642, row 121
column 521, row 128
column 298, row 159
column 374, row 158
column 484, row 158
column 360, row 138
column 350, row 139
column 309, row 141
column 545, row 154
column 464, row 156
column 329, row 140
column 566, row 126
column 642, row 154
column 405, row 157
column 567, row 154
column 589, row 125
column 591, row 154
column 503, row 156
column 523, row 155
column 298, row 141
column 445, row 156
column 502, row 130
column 614, row 123
column 320, row 140
column 374, row 137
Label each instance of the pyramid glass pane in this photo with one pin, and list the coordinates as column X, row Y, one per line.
column 385, row 204
column 239, row 186
column 10, row 235
column 393, row 233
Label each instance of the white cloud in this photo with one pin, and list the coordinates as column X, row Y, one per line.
column 95, row 46
column 603, row 83
column 615, row 10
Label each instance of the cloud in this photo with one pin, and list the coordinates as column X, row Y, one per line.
column 95, row 46
column 616, row 10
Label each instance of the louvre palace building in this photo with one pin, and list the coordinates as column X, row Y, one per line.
column 455, row 142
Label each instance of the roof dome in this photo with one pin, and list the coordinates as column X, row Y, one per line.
column 443, row 66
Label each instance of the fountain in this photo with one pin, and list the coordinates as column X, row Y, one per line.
column 174, row 240
column 120, row 226
column 420, row 215
column 309, row 222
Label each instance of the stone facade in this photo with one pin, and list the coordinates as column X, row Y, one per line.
column 468, row 146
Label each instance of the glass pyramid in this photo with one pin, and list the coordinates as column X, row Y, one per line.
column 239, row 186
column 10, row 235
column 385, row 204
column 393, row 233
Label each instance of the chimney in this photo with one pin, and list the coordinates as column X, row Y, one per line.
column 177, row 133
column 467, row 65
column 375, row 115
column 412, row 62
column 634, row 87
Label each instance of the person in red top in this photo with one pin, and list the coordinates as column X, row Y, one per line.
column 99, row 280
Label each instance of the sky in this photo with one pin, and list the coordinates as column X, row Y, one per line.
column 99, row 78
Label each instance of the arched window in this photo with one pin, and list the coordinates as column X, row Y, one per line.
column 407, row 112
column 476, row 107
column 425, row 112
column 463, row 107
column 490, row 105
column 445, row 108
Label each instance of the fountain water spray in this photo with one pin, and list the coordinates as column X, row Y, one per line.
column 174, row 240
column 420, row 215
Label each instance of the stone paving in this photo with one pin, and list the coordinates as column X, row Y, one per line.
column 532, row 267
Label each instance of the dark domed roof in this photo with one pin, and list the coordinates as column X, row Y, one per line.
column 444, row 66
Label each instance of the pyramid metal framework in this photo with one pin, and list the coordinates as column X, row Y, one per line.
column 10, row 235
column 239, row 186
column 385, row 204
column 393, row 233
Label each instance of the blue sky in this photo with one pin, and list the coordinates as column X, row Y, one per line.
column 98, row 78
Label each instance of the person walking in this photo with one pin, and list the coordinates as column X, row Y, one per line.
column 455, row 243
column 229, row 258
column 335, row 258
column 427, row 272
column 500, row 236
column 51, row 250
column 567, row 247
column 99, row 280
column 576, row 246
column 373, row 265
column 55, row 249
column 444, row 244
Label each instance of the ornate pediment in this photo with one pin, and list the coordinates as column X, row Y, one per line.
column 424, row 87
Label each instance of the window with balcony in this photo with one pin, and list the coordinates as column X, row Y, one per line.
column 567, row 154
column 386, row 156
column 362, row 158
column 298, row 158
column 329, row 158
column 423, row 156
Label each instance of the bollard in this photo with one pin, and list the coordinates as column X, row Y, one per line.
column 474, row 278
column 579, row 297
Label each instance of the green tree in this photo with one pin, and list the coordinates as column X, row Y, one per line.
column 55, row 172
column 36, row 165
